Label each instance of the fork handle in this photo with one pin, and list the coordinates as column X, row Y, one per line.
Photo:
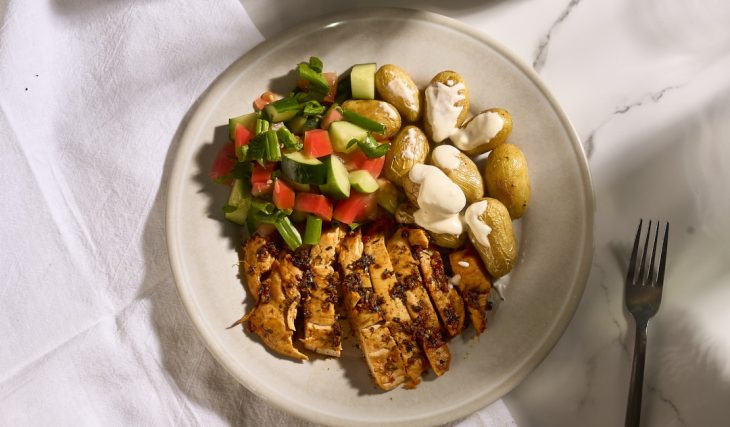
column 633, row 408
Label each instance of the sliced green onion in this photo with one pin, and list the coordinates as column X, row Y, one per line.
column 316, row 80
column 362, row 121
column 371, row 148
column 288, row 232
column 312, row 108
column 273, row 152
column 263, row 206
column 316, row 64
column 262, row 126
column 290, row 142
column 313, row 230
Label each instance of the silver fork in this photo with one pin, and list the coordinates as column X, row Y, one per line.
column 643, row 294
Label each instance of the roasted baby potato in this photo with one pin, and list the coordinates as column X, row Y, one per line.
column 395, row 86
column 460, row 169
column 409, row 147
column 490, row 231
column 483, row 132
column 379, row 111
column 446, row 105
column 505, row 173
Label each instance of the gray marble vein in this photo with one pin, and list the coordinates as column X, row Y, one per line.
column 651, row 98
column 542, row 49
column 667, row 401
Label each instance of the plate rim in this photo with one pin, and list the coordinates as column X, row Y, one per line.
column 185, row 140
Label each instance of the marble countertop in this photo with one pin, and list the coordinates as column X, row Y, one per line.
column 647, row 86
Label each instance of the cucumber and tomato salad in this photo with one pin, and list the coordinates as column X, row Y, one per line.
column 302, row 158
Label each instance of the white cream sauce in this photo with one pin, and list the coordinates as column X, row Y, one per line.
column 411, row 138
column 441, row 111
column 477, row 226
column 400, row 89
column 439, row 200
column 389, row 110
column 447, row 156
column 463, row 264
column 480, row 130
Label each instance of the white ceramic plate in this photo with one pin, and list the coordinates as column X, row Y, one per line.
column 555, row 245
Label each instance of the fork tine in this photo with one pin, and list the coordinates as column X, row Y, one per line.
column 663, row 259
column 642, row 271
column 634, row 252
column 650, row 280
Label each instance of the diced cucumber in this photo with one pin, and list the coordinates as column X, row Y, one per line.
column 338, row 183
column 247, row 120
column 388, row 196
column 363, row 182
column 296, row 124
column 342, row 132
column 302, row 169
column 282, row 110
column 240, row 201
column 362, row 81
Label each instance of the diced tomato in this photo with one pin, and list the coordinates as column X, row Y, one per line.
column 316, row 204
column 357, row 160
column 262, row 173
column 332, row 83
column 241, row 135
column 303, row 84
column 265, row 99
column 317, row 143
column 357, row 207
column 283, row 195
column 332, row 115
column 224, row 162
column 259, row 189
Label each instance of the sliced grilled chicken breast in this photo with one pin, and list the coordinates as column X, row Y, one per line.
column 272, row 319
column 394, row 310
column 259, row 254
column 363, row 311
column 322, row 333
column 410, row 289
column 473, row 283
column 449, row 304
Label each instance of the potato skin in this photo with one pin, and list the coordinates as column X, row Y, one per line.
column 444, row 77
column 379, row 111
column 409, row 147
column 507, row 178
column 497, row 140
column 390, row 83
column 466, row 175
column 499, row 257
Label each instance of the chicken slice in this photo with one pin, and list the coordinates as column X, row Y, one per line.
column 259, row 254
column 394, row 310
column 363, row 311
column 272, row 319
column 322, row 333
column 410, row 289
column 473, row 283
column 449, row 304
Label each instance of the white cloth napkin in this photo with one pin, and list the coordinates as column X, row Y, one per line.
column 92, row 331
